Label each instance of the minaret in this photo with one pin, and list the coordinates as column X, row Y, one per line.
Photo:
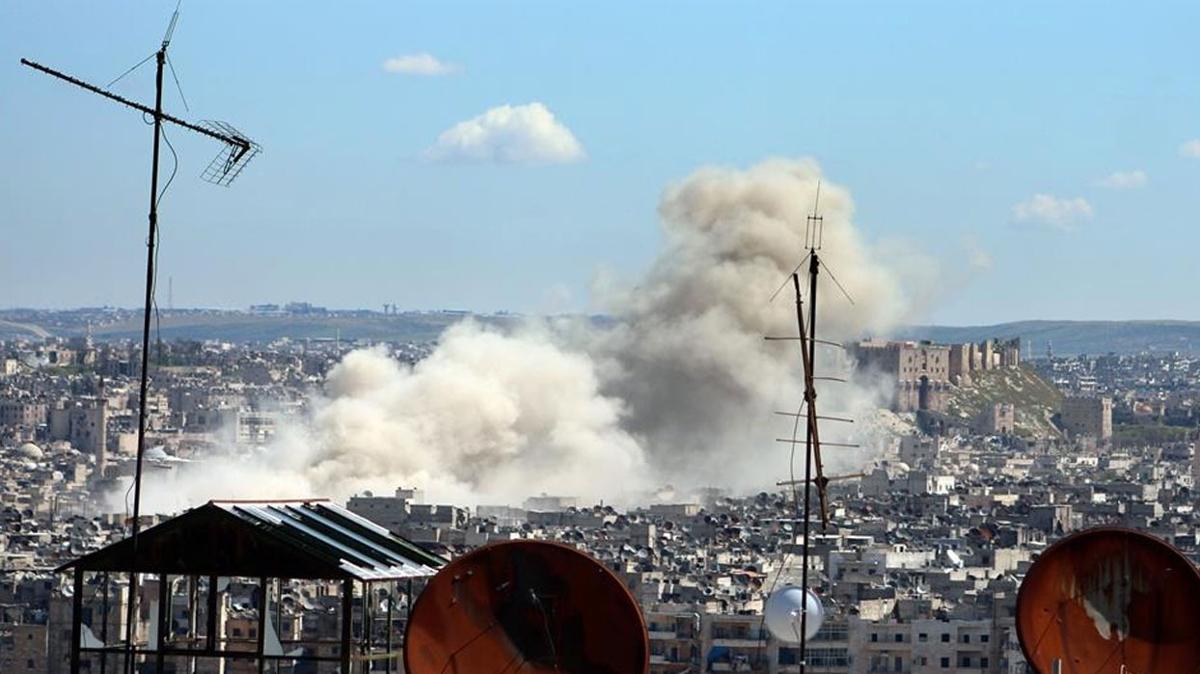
column 101, row 428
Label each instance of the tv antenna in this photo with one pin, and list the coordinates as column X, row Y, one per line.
column 236, row 151
column 807, row 336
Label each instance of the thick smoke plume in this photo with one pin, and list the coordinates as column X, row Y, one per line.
column 679, row 388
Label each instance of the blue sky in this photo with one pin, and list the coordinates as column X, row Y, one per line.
column 940, row 117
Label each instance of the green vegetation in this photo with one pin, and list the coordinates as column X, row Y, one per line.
column 1141, row 435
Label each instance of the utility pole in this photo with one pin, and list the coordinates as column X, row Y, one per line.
column 236, row 152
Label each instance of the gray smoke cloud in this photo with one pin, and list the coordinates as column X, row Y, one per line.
column 679, row 388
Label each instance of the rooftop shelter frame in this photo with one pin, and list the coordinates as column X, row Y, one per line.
column 269, row 542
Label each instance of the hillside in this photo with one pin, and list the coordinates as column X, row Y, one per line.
column 235, row 326
column 252, row 328
column 1035, row 399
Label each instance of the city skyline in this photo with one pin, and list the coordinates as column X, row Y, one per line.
column 393, row 171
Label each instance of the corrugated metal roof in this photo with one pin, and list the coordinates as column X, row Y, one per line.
column 285, row 539
column 358, row 546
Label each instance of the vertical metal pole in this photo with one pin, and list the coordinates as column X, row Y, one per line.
column 210, row 638
column 347, row 616
column 279, row 612
column 806, row 355
column 164, row 620
column 365, row 647
column 814, row 428
column 391, row 600
column 810, row 444
column 262, row 622
column 104, row 626
column 77, row 620
column 141, row 443
column 193, row 614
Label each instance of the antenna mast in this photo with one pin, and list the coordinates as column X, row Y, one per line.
column 807, row 336
column 236, row 152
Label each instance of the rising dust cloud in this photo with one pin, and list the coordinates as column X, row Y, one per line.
column 678, row 389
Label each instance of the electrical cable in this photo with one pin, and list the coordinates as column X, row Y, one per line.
column 784, row 555
column 835, row 282
column 139, row 65
column 788, row 278
column 177, row 86
column 158, row 247
column 154, row 284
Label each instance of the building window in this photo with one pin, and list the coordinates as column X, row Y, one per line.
column 922, row 637
column 946, row 638
column 966, row 638
column 874, row 637
column 983, row 663
column 945, row 663
column 983, row 638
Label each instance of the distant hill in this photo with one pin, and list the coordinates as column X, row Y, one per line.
column 1074, row 337
column 253, row 328
column 237, row 326
column 1067, row 337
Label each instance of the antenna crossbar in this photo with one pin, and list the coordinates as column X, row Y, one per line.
column 819, row 416
column 825, row 342
column 237, row 151
column 795, row 441
column 240, row 142
column 831, row 478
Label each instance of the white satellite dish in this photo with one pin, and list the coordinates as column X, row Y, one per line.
column 784, row 610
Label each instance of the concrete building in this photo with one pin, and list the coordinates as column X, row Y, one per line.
column 83, row 423
column 23, row 649
column 23, row 413
column 922, row 372
column 1089, row 416
column 674, row 633
column 996, row 419
column 547, row 503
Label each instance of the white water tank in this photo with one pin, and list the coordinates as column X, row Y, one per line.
column 784, row 610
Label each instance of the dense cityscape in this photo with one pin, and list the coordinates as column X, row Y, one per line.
column 918, row 568
column 599, row 338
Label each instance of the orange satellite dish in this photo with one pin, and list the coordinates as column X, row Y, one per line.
column 1110, row 601
column 526, row 607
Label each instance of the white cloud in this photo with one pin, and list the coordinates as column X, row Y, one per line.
column 1059, row 213
column 423, row 64
column 1191, row 148
column 509, row 134
column 1124, row 180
